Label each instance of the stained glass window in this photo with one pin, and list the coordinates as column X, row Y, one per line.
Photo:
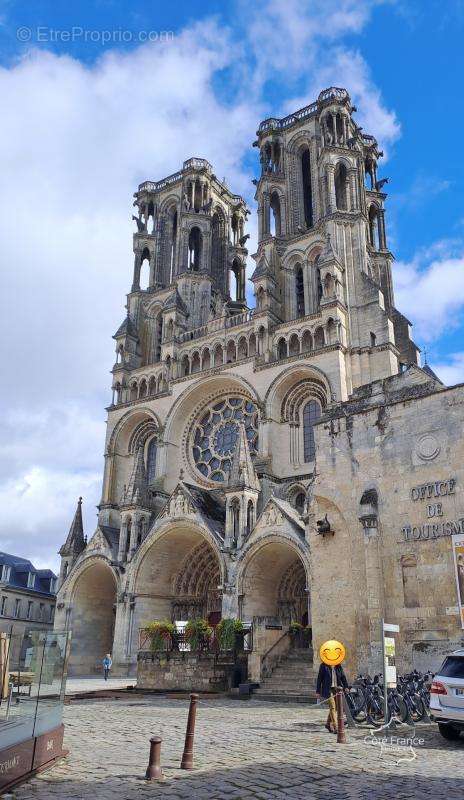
column 216, row 434
column 311, row 413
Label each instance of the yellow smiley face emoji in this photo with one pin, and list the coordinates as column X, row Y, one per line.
column 332, row 652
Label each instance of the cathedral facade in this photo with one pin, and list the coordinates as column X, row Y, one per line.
column 266, row 463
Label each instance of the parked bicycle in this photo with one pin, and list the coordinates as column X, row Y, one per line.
column 408, row 701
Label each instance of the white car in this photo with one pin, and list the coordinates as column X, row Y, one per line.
column 447, row 696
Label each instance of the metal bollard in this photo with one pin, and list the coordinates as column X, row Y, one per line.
column 154, row 771
column 187, row 758
column 341, row 738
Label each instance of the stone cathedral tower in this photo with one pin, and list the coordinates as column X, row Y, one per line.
column 220, row 415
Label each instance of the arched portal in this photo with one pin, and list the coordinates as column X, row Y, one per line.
column 274, row 585
column 179, row 579
column 92, row 618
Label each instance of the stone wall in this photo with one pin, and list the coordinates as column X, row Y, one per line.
column 187, row 672
column 399, row 567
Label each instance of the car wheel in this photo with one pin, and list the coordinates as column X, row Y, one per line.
column 448, row 731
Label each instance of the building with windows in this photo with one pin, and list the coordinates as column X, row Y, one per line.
column 27, row 599
column 264, row 462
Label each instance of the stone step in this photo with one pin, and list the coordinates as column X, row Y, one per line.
column 309, row 690
column 295, row 669
column 291, row 676
column 300, row 688
column 274, row 697
column 306, row 679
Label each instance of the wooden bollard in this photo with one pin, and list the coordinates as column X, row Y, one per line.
column 187, row 758
column 154, row 771
column 341, row 738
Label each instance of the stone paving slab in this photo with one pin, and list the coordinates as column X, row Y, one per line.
column 96, row 683
column 243, row 751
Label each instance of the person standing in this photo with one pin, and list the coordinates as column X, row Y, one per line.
column 107, row 664
column 328, row 678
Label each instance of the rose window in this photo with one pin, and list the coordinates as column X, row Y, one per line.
column 216, row 435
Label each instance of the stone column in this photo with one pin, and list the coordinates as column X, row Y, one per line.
column 382, row 233
column 151, row 278
column 266, row 212
column 334, row 123
column 353, row 193
column 263, row 437
column 315, row 186
column 331, row 188
column 374, row 593
column 118, row 650
column 133, row 535
column 136, row 280
column 122, row 540
column 293, row 443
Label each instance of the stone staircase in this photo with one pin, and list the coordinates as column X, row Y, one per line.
column 292, row 679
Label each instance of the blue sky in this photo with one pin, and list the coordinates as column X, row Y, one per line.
column 83, row 122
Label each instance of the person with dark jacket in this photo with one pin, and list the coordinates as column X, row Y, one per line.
column 328, row 678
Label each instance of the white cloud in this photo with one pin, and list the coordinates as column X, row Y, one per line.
column 295, row 40
column 345, row 67
column 451, row 369
column 32, row 511
column 75, row 141
column 429, row 289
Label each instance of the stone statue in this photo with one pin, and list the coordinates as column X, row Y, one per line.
column 243, row 240
column 380, row 184
column 140, row 223
column 207, row 207
column 187, row 205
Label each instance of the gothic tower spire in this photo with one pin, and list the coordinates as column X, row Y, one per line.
column 75, row 543
column 135, row 493
column 242, row 473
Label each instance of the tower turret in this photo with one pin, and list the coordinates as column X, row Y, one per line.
column 74, row 545
column 242, row 494
column 134, row 508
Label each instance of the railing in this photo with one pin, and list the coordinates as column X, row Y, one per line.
column 216, row 324
column 178, row 642
column 196, row 163
column 271, row 123
column 191, row 163
column 273, row 655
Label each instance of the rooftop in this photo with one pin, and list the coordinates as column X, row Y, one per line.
column 20, row 570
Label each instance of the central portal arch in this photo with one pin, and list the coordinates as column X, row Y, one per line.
column 274, row 585
column 179, row 578
column 92, row 617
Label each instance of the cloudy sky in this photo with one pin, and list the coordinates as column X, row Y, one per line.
column 98, row 96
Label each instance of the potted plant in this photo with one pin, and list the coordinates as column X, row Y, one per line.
column 198, row 633
column 160, row 633
column 229, row 634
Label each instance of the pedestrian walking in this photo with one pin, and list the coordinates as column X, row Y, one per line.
column 107, row 664
column 328, row 679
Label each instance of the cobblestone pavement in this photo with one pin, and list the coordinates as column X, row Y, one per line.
column 243, row 751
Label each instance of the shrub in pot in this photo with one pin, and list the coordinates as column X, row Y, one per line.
column 228, row 633
column 160, row 633
column 198, row 633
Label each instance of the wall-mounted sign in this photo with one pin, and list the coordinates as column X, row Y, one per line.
column 428, row 491
column 458, row 552
column 432, row 530
column 431, row 494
